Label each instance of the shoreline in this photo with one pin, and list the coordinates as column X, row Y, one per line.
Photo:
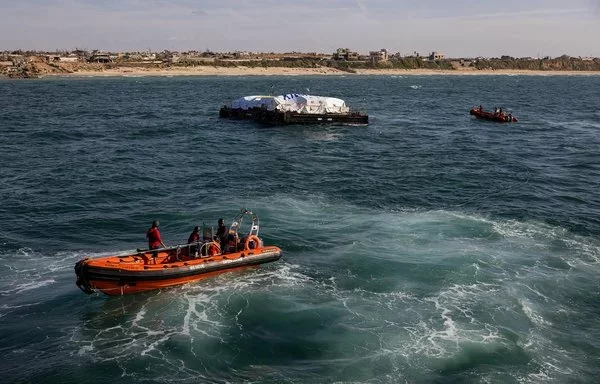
column 324, row 71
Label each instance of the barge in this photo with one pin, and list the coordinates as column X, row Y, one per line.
column 293, row 109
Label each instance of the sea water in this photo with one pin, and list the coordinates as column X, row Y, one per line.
column 427, row 246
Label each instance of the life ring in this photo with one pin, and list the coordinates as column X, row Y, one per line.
column 253, row 238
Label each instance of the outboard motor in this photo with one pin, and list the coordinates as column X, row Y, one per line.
column 82, row 282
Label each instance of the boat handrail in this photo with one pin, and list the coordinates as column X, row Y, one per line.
column 236, row 224
column 201, row 244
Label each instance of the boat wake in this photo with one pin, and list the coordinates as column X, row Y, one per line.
column 426, row 291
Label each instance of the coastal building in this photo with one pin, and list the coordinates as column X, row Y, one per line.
column 171, row 58
column 415, row 54
column 241, row 54
column 72, row 58
column 437, row 56
column 82, row 54
column 379, row 56
column 345, row 54
column 100, row 57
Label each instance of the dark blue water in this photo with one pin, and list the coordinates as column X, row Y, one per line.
column 426, row 247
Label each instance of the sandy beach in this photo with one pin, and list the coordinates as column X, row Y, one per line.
column 322, row 71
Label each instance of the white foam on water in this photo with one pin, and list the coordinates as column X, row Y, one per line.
column 6, row 309
column 454, row 306
column 203, row 317
column 152, row 347
column 33, row 285
column 583, row 246
column 554, row 364
column 511, row 263
column 538, row 293
column 192, row 314
column 9, row 307
column 409, row 326
column 517, row 229
column 580, row 252
column 25, row 252
column 534, row 316
column 85, row 350
column 494, row 269
column 140, row 336
column 324, row 136
column 28, row 286
column 269, row 277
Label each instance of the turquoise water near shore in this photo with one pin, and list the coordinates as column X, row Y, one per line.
column 425, row 247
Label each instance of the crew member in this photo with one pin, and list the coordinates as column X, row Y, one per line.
column 154, row 239
column 222, row 234
column 194, row 239
column 194, row 236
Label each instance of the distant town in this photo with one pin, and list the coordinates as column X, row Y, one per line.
column 25, row 64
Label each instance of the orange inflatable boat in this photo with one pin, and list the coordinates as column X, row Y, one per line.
column 146, row 270
column 499, row 117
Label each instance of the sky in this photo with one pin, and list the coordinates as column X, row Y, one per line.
column 458, row 28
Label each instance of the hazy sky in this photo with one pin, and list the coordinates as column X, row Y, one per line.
column 455, row 27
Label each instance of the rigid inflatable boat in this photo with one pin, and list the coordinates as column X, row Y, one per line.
column 499, row 117
column 146, row 270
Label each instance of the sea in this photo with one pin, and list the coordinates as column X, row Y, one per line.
column 426, row 247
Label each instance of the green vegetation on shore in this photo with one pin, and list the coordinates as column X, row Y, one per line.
column 562, row 63
column 348, row 66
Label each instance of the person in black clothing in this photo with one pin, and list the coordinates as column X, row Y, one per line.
column 222, row 234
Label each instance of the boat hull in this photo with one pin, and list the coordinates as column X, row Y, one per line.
column 139, row 272
column 278, row 117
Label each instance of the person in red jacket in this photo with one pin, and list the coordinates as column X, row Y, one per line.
column 154, row 238
column 194, row 239
column 194, row 236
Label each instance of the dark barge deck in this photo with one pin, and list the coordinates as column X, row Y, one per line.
column 265, row 116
